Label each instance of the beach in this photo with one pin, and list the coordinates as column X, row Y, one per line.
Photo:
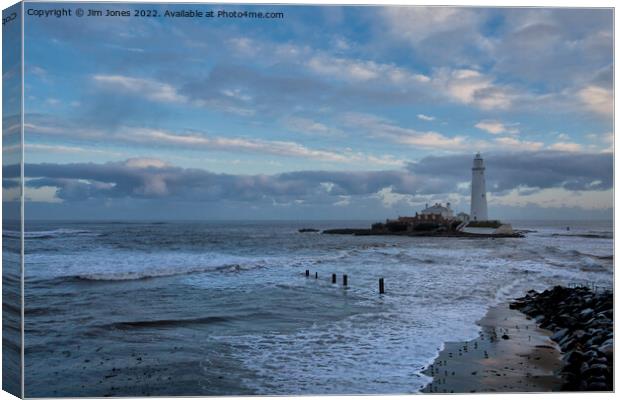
column 560, row 339
column 511, row 354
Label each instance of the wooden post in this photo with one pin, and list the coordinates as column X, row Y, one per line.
column 345, row 280
column 333, row 278
column 316, row 275
column 381, row 286
column 307, row 272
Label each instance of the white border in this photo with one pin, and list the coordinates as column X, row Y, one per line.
column 476, row 3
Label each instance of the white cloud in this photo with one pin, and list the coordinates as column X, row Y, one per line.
column 556, row 197
column 379, row 127
column 471, row 87
column 37, row 71
column 375, row 126
column 415, row 24
column 164, row 93
column 282, row 148
column 67, row 149
column 353, row 70
column 424, row 117
column 343, row 202
column 146, row 163
column 566, row 146
column 310, row 127
column 509, row 143
column 54, row 148
column 44, row 194
column 243, row 45
column 385, row 160
column 150, row 89
column 237, row 94
column 274, row 147
column 148, row 136
column 496, row 127
column 389, row 198
column 605, row 141
column 597, row 99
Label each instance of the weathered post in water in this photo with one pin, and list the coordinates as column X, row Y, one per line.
column 316, row 275
column 307, row 272
column 381, row 286
column 333, row 278
column 345, row 280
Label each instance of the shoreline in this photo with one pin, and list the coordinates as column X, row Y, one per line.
column 511, row 354
column 582, row 323
column 560, row 339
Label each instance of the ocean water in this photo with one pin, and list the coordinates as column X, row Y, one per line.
column 192, row 308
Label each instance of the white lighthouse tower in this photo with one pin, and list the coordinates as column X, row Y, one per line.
column 478, row 191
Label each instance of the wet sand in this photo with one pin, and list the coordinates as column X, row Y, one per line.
column 511, row 355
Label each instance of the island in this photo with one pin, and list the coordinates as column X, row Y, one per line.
column 431, row 223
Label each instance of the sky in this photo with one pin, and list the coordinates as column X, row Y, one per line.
column 328, row 113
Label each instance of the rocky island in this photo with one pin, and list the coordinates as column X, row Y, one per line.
column 433, row 221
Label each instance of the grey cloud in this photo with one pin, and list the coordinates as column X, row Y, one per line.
column 430, row 176
column 278, row 91
column 545, row 169
column 116, row 180
column 555, row 48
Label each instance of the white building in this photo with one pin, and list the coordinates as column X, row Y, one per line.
column 478, row 191
column 462, row 217
column 438, row 209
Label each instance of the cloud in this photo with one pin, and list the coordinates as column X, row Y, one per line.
column 513, row 58
column 416, row 24
column 54, row 148
column 244, row 46
column 510, row 143
column 310, row 127
column 362, row 70
column 146, row 163
column 556, row 198
column 431, row 176
column 150, row 89
column 201, row 141
column 436, row 35
column 233, row 144
column 540, row 46
column 424, row 117
column 496, row 127
column 139, row 178
column 321, row 76
column 471, row 87
column 379, row 127
column 597, row 99
column 566, row 146
column 543, row 169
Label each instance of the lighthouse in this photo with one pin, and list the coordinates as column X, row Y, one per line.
column 478, row 191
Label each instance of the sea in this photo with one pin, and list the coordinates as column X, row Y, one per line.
column 226, row 308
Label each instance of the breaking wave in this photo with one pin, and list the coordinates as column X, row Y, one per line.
column 164, row 272
column 589, row 235
column 163, row 323
column 52, row 234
